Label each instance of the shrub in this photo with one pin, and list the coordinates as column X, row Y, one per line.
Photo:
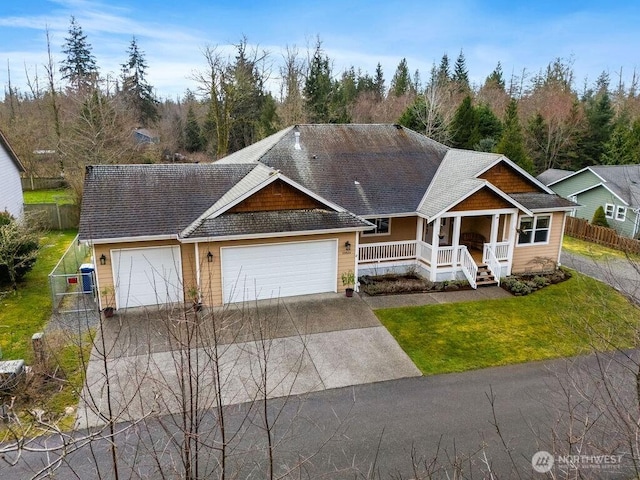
column 18, row 252
column 599, row 218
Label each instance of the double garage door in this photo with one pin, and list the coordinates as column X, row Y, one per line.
column 153, row 276
column 278, row 270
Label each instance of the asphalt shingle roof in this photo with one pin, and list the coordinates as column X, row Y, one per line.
column 367, row 169
column 285, row 221
column 553, row 175
column 144, row 200
column 624, row 180
column 541, row 201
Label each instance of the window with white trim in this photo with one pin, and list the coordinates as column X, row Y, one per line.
column 534, row 229
column 383, row 226
column 608, row 210
column 621, row 213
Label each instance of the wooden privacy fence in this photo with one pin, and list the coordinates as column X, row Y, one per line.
column 582, row 229
column 39, row 183
column 54, row 216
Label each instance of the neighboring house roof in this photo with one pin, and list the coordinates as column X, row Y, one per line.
column 370, row 170
column 553, row 175
column 12, row 154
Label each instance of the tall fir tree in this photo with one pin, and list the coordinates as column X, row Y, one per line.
column 461, row 74
column 618, row 150
column 79, row 66
column 318, row 87
column 496, row 78
column 599, row 116
column 135, row 88
column 193, row 140
column 511, row 144
column 401, row 83
column 444, row 70
column 378, row 83
column 464, row 126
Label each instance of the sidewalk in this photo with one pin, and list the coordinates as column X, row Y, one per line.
column 417, row 299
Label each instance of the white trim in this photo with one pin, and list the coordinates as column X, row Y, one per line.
column 533, row 230
column 365, row 233
column 576, row 173
column 197, row 259
column 356, row 287
column 553, row 209
column 596, row 186
column 619, row 209
column 253, row 236
column 606, row 209
column 390, row 215
column 96, row 276
column 636, row 222
column 518, row 169
column 144, row 238
column 564, row 224
column 479, row 213
column 495, row 189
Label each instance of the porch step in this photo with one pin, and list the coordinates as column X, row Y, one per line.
column 484, row 277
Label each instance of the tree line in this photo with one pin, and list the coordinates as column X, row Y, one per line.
column 81, row 116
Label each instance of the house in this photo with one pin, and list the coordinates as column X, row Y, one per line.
column 144, row 136
column 616, row 188
column 291, row 213
column 11, row 199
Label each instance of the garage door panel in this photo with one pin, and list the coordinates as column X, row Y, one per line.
column 147, row 276
column 278, row 270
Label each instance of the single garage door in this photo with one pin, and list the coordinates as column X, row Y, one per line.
column 147, row 276
column 278, row 270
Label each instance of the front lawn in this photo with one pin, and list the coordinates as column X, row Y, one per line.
column 592, row 250
column 557, row 321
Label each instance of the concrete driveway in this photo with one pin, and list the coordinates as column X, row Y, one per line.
column 289, row 347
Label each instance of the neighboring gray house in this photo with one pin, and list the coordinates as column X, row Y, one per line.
column 614, row 187
column 11, row 198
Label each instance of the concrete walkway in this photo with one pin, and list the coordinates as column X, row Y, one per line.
column 417, row 299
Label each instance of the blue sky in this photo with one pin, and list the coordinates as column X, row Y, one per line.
column 596, row 35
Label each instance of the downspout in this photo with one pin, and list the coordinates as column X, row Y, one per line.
column 197, row 259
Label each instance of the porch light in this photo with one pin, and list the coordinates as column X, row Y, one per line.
column 347, row 246
column 209, row 257
column 103, row 259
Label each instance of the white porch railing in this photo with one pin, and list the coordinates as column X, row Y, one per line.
column 424, row 251
column 371, row 252
column 492, row 262
column 469, row 267
column 445, row 256
column 501, row 251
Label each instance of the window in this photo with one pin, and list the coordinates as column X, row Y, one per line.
column 383, row 226
column 608, row 210
column 621, row 214
column 534, row 229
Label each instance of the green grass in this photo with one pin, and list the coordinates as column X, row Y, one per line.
column 557, row 321
column 25, row 312
column 592, row 250
column 58, row 195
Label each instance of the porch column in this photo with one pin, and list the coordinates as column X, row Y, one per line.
column 513, row 234
column 435, row 244
column 493, row 238
column 455, row 242
column 419, row 229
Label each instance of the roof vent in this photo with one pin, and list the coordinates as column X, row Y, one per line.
column 297, row 145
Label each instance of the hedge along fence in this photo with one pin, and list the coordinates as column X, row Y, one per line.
column 582, row 229
column 36, row 183
column 54, row 216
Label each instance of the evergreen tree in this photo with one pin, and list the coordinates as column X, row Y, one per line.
column 618, row 150
column 496, row 78
column 318, row 87
column 79, row 66
column 488, row 126
column 460, row 73
column 268, row 122
column 135, row 89
column 511, row 144
column 444, row 70
column 378, row 83
column 599, row 115
column 401, row 82
column 193, row 140
column 599, row 218
column 464, row 126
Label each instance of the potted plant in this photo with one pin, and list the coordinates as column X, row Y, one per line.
column 194, row 294
column 108, row 295
column 349, row 280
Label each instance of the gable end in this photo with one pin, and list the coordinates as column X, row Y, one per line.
column 277, row 195
column 483, row 199
column 508, row 180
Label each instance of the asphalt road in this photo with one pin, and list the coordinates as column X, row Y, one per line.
column 440, row 423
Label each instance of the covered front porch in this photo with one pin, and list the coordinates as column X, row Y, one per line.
column 476, row 246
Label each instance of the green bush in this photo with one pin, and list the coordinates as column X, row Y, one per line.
column 599, row 218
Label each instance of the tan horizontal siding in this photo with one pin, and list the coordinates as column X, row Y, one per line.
column 402, row 228
column 525, row 258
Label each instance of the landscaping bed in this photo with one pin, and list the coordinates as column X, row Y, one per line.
column 526, row 283
column 409, row 282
